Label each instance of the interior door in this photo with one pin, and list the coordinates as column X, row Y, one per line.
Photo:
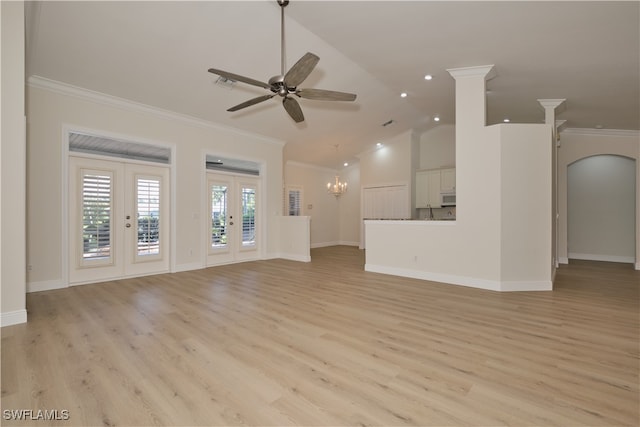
column 232, row 223
column 118, row 220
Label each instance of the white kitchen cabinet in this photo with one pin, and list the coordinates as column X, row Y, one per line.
column 422, row 189
column 429, row 185
column 448, row 180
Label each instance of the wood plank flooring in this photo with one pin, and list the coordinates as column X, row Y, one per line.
column 279, row 342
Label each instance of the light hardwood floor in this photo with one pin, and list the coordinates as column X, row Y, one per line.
column 324, row 343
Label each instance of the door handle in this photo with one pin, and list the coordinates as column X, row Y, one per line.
column 127, row 225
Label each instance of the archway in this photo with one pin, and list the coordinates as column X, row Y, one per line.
column 601, row 208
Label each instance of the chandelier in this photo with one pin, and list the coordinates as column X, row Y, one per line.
column 337, row 188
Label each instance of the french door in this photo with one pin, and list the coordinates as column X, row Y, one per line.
column 232, row 223
column 118, row 219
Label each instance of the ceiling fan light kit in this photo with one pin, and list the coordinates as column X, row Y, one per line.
column 286, row 84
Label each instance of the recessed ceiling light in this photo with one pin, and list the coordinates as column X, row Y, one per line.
column 403, row 95
column 379, row 144
column 346, row 164
column 506, row 120
column 436, row 119
column 428, row 77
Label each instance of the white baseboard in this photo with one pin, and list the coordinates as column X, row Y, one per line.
column 563, row 260
column 637, row 265
column 13, row 318
column 605, row 258
column 324, row 244
column 338, row 243
column 45, row 285
column 526, row 285
column 491, row 285
column 187, row 267
column 295, row 257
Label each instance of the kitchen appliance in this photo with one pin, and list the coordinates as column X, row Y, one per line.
column 447, row 198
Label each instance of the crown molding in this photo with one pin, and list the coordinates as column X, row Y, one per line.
column 486, row 71
column 601, row 132
column 61, row 88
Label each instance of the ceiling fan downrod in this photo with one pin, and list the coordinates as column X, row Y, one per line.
column 283, row 65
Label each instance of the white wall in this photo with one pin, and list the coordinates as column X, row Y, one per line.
column 389, row 164
column 52, row 107
column 601, row 208
column 438, row 147
column 322, row 207
column 294, row 238
column 526, row 203
column 350, row 207
column 576, row 144
column 12, row 165
column 332, row 219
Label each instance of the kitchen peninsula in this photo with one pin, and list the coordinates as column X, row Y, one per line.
column 501, row 238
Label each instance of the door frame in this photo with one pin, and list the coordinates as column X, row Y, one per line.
column 64, row 185
column 261, row 211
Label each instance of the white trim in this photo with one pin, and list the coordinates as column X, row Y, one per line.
column 526, row 286
column 600, row 257
column 491, row 285
column 188, row 267
column 601, row 132
column 472, row 282
column 486, row 71
column 563, row 260
column 335, row 243
column 13, row 318
column 45, row 285
column 324, row 244
column 637, row 265
column 113, row 101
column 294, row 257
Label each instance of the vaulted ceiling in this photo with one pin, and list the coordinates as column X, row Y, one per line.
column 158, row 53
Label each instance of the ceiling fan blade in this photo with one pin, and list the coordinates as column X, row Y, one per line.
column 301, row 70
column 239, row 78
column 325, row 95
column 293, row 108
column 251, row 102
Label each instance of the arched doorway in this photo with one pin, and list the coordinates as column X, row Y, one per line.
column 601, row 209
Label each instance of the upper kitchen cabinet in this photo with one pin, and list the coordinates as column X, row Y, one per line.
column 430, row 184
column 448, row 180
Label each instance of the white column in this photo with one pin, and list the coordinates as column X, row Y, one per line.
column 12, row 165
column 551, row 106
column 471, row 105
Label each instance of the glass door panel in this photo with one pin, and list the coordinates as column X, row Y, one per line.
column 248, row 216
column 219, row 209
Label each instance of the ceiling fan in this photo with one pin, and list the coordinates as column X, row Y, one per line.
column 286, row 84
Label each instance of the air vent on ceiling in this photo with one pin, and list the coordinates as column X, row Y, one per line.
column 225, row 82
